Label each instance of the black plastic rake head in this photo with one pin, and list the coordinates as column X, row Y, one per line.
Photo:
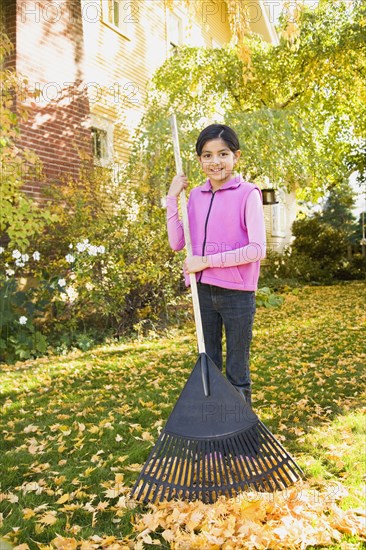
column 213, row 444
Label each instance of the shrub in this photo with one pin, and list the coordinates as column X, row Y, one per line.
column 317, row 255
column 103, row 269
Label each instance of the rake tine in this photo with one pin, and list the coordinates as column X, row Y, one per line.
column 187, row 462
column 262, row 462
column 176, row 464
column 161, row 466
column 211, row 467
column 147, row 471
column 213, row 458
column 250, row 459
column 271, row 438
column 274, row 465
column 192, row 469
column 291, row 464
column 240, row 461
column 234, row 461
column 230, row 477
column 243, row 460
column 220, row 469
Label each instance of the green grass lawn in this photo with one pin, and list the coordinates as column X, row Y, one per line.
column 77, row 429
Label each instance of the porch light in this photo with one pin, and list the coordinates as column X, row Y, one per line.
column 269, row 196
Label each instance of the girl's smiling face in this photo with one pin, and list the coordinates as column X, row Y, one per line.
column 218, row 161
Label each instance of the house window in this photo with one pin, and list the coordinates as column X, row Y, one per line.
column 175, row 30
column 102, row 140
column 120, row 15
column 100, row 144
column 278, row 220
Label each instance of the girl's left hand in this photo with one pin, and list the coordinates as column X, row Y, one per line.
column 193, row 264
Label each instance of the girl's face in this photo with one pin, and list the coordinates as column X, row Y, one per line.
column 218, row 161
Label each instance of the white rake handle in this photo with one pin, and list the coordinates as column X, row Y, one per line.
column 187, row 237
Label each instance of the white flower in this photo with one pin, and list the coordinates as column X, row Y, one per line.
column 16, row 254
column 71, row 246
column 23, row 320
column 1, row 249
column 19, row 263
column 70, row 258
column 25, row 257
column 81, row 247
column 10, row 272
column 89, row 286
column 36, row 256
column 92, row 250
column 72, row 293
column 61, row 282
column 101, row 249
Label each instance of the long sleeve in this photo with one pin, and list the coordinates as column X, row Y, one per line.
column 256, row 248
column 174, row 224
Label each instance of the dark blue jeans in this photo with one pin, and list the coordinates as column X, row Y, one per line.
column 233, row 309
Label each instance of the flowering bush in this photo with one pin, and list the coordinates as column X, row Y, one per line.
column 27, row 302
column 74, row 294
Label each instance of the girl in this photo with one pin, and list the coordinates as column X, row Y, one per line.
column 228, row 241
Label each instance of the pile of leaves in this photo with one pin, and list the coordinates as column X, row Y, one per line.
column 289, row 519
column 297, row 518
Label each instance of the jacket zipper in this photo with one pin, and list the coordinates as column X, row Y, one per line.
column 205, row 238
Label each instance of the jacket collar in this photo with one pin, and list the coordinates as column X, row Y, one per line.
column 233, row 183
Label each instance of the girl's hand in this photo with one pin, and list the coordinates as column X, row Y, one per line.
column 193, row 264
column 179, row 183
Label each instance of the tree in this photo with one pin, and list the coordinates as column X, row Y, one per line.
column 299, row 107
column 337, row 210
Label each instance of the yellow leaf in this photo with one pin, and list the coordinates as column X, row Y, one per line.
column 112, row 493
column 134, row 467
column 59, row 480
column 147, row 436
column 32, row 486
column 49, row 518
column 32, row 449
column 28, row 513
column 65, row 430
column 94, row 429
column 64, row 498
column 30, row 428
column 61, row 543
column 118, row 478
column 88, row 471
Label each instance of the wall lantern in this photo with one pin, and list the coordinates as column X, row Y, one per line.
column 269, row 196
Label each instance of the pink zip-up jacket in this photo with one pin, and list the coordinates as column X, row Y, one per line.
column 227, row 227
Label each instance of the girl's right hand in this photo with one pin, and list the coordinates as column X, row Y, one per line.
column 179, row 183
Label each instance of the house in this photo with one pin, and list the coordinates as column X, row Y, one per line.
column 89, row 62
